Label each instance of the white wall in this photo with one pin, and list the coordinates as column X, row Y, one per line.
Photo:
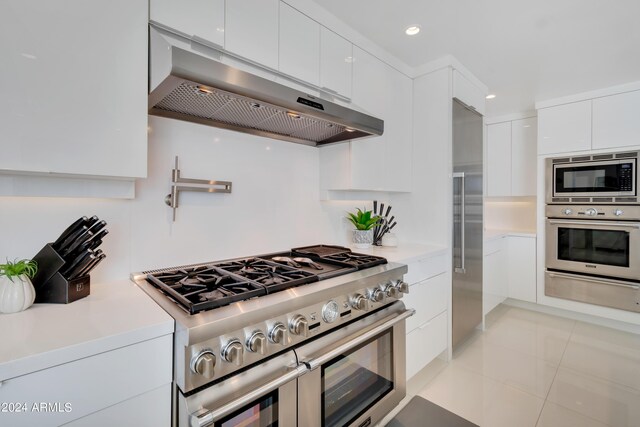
column 274, row 205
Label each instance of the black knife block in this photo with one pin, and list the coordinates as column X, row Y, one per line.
column 50, row 285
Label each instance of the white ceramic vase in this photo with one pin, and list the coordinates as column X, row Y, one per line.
column 16, row 294
column 362, row 239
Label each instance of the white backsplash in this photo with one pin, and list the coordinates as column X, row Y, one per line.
column 274, row 204
column 510, row 213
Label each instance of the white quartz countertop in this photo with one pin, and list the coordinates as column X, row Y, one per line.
column 115, row 315
column 494, row 233
column 404, row 253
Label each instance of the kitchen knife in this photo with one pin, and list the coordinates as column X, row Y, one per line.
column 73, row 273
column 375, row 207
column 388, row 210
column 87, row 269
column 62, row 248
column 87, row 235
column 70, row 229
column 78, row 263
column 381, row 209
column 97, row 226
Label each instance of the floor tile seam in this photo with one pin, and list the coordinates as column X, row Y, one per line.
column 535, row 356
column 598, row 378
column 571, row 410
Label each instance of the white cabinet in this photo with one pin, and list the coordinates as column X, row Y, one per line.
column 564, row 128
column 468, row 93
column 299, row 45
column 616, row 120
column 379, row 163
column 495, row 285
column 425, row 343
column 428, row 298
column 499, row 159
column 201, row 20
column 251, row 30
column 336, row 63
column 522, row 268
column 511, row 158
column 523, row 156
column 91, row 384
column 74, row 87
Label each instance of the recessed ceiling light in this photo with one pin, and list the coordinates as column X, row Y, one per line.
column 490, row 96
column 412, row 30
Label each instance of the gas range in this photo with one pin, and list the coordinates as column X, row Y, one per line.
column 232, row 314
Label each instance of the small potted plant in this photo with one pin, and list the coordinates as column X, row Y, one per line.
column 16, row 290
column 364, row 223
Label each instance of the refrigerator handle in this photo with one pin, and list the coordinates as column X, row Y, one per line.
column 461, row 269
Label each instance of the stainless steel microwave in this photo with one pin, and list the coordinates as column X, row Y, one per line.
column 599, row 178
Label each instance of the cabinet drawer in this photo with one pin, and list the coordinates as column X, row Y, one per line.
column 425, row 343
column 493, row 246
column 425, row 268
column 90, row 384
column 428, row 298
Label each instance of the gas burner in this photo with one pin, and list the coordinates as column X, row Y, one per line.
column 270, row 274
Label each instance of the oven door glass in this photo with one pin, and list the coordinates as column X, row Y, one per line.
column 606, row 247
column 355, row 381
column 260, row 413
column 600, row 177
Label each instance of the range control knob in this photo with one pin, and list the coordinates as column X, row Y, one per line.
column 257, row 343
column 299, row 325
column 567, row 211
column 403, row 286
column 618, row 212
column 392, row 291
column 360, row 302
column 233, row 352
column 330, row 312
column 204, row 363
column 377, row 295
column 591, row 212
column 278, row 334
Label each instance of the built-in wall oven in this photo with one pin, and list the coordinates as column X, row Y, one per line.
column 599, row 178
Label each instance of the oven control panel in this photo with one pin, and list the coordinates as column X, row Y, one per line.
column 221, row 356
column 594, row 212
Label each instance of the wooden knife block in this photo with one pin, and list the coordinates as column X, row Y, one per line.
column 50, row 285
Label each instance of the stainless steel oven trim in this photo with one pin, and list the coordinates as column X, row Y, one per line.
column 591, row 290
column 309, row 385
column 550, row 178
column 551, row 249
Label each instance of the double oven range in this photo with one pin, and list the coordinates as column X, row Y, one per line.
column 593, row 229
column 310, row 337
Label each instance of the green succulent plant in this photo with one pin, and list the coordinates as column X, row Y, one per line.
column 28, row 267
column 363, row 220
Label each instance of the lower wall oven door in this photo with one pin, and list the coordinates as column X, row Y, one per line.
column 603, row 248
column 357, row 372
column 263, row 396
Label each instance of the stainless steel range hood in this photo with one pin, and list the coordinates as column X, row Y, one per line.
column 191, row 87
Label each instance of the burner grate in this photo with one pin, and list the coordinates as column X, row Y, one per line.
column 274, row 276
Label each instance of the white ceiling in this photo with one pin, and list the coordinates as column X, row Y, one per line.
column 524, row 51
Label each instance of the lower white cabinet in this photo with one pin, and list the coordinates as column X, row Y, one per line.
column 495, row 284
column 425, row 343
column 117, row 385
column 522, row 268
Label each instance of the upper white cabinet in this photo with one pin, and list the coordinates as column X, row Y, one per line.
column 616, row 120
column 564, row 128
column 336, row 59
column 201, row 20
column 299, row 45
column 251, row 30
column 74, row 87
column 379, row 163
column 499, row 159
column 468, row 93
column 511, row 158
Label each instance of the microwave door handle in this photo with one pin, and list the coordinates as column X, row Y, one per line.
column 206, row 417
column 319, row 361
column 461, row 268
column 599, row 281
column 606, row 224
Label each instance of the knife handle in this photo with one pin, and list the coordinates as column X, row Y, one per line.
column 70, row 229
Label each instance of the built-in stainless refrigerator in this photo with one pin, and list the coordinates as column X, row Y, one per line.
column 467, row 222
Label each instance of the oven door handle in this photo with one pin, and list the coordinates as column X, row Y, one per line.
column 592, row 224
column 315, row 363
column 599, row 281
column 206, row 417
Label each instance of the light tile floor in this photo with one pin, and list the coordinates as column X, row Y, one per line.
column 534, row 369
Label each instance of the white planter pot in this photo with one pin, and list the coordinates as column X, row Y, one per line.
column 16, row 294
column 362, row 239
